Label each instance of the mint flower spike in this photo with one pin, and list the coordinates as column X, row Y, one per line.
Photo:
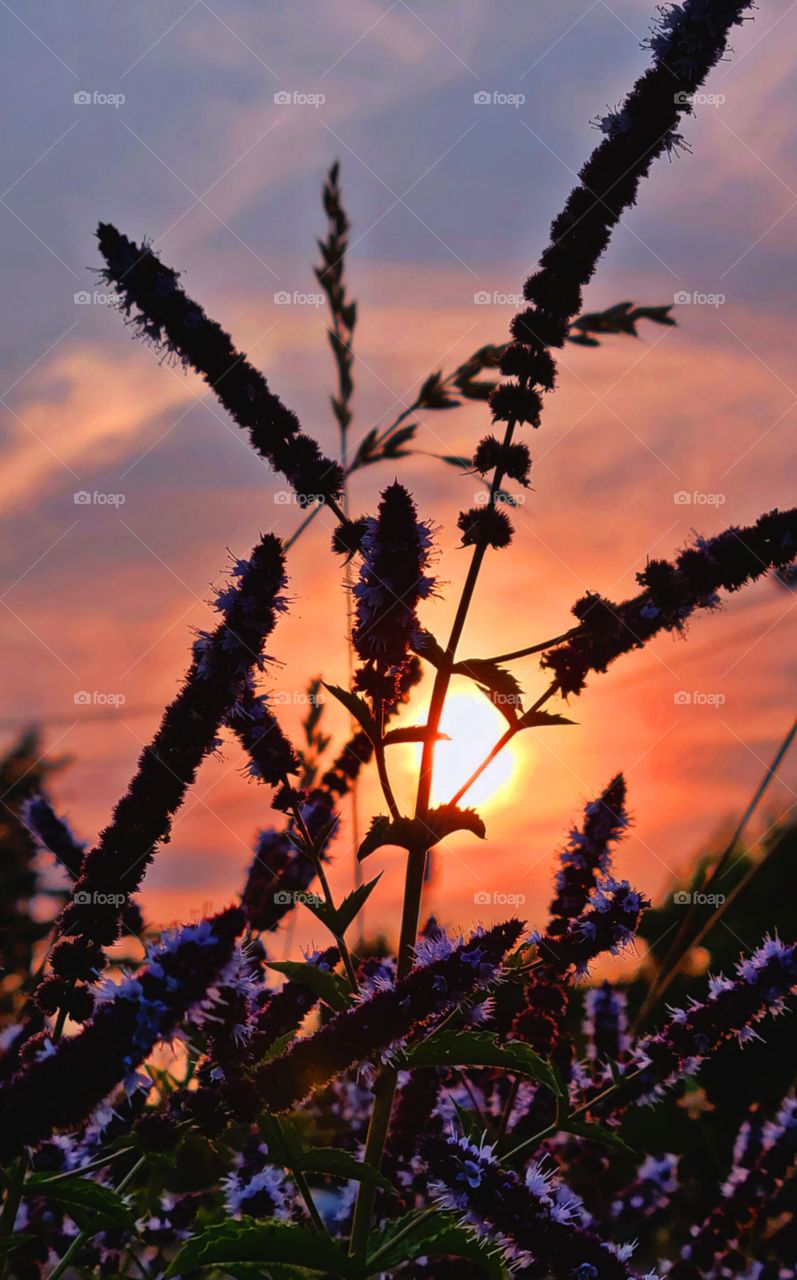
column 733, row 1009
column 672, row 592
column 151, row 295
column 63, row 1084
column 606, row 1024
column 386, row 1016
column 587, row 854
column 222, row 662
column 396, row 550
column 531, row 1219
column 746, row 1197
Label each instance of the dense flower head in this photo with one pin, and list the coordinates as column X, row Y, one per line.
column 606, row 1024
column 256, row 1189
column 607, row 924
column 280, row 871
column 150, row 293
column 65, row 1082
column 513, row 459
column 386, row 1016
column 485, row 527
column 587, row 854
column 271, row 756
column 672, row 592
column 534, row 1218
column 511, row 402
column 396, row 551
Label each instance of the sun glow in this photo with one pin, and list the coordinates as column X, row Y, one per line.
column 474, row 726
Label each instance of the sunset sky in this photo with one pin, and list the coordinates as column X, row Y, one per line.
column 449, row 198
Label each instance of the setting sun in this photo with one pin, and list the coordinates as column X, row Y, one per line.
column 473, row 725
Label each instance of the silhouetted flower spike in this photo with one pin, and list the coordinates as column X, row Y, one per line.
column 485, row 526
column 746, row 1196
column 445, row 973
column 651, row 1190
column 187, row 733
column 272, row 757
column 280, row 871
column 587, row 854
column 151, row 295
column 513, row 459
column 531, row 1219
column 733, row 1008
column 53, row 833
column 279, row 1012
column 608, row 923
column 672, row 592
column 396, row 551
column 64, row 1084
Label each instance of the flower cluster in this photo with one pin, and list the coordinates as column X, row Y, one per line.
column 60, row 1085
column 532, row 1219
column 281, row 869
column 608, row 924
column 395, row 552
column 671, row 592
column 655, row 1182
column 445, row 973
column 151, row 294
column 587, row 854
column 606, row 1024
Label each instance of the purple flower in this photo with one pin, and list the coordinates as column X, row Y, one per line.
column 587, row 854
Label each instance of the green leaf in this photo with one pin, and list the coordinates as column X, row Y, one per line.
column 417, row 833
column 338, row 921
column 357, row 708
column 329, row 987
column 339, row 1164
column 88, row 1203
column 595, row 1133
column 18, row 1241
column 232, row 1244
column 481, row 1049
column 436, row 1235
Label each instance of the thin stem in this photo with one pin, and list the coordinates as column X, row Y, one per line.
column 536, row 648
column 400, row 1235
column 328, row 897
column 503, row 741
column 683, row 942
column 384, row 1092
column 307, row 1196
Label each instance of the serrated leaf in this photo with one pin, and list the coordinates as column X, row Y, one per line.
column 340, row 1164
column 417, row 834
column 482, row 1049
column 228, row 1245
column 436, row 1235
column 425, row 645
column 357, row 708
column 338, row 921
column 329, row 987
column 496, row 683
column 596, row 1133
column 88, row 1203
column 412, row 733
column 535, row 719
column 463, row 464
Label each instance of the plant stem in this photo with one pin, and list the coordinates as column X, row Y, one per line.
column 537, row 648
